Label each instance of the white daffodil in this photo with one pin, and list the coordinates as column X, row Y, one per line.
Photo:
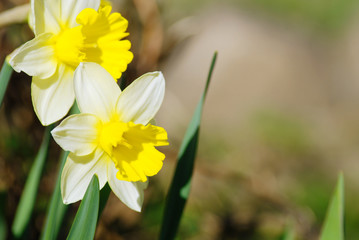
column 112, row 137
column 68, row 32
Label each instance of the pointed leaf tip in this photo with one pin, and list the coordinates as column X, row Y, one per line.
column 333, row 228
column 181, row 182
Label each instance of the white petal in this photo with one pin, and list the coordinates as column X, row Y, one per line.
column 96, row 91
column 36, row 57
column 70, row 9
column 31, row 17
column 77, row 134
column 130, row 193
column 52, row 98
column 78, row 172
column 52, row 15
column 45, row 16
column 140, row 101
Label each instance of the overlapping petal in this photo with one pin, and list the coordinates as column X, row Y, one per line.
column 130, row 193
column 77, row 134
column 140, row 101
column 52, row 15
column 36, row 57
column 102, row 33
column 77, row 174
column 96, row 91
column 45, row 16
column 53, row 97
column 70, row 9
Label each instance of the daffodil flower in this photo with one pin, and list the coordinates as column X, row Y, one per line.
column 112, row 137
column 68, row 32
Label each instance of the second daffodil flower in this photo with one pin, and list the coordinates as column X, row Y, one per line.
column 68, row 32
column 112, row 137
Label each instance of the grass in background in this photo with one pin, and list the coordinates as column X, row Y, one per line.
column 320, row 15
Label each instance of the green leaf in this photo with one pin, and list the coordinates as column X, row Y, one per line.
column 28, row 197
column 104, row 195
column 181, row 182
column 288, row 233
column 5, row 75
column 333, row 228
column 57, row 209
column 84, row 225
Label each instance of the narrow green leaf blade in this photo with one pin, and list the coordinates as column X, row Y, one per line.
column 333, row 228
column 288, row 233
column 27, row 201
column 84, row 225
column 181, row 182
column 5, row 75
column 56, row 209
column 104, row 195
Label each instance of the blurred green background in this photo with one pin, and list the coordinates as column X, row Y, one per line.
column 280, row 121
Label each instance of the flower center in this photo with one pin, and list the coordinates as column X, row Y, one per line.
column 132, row 148
column 112, row 136
column 68, row 45
column 96, row 39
